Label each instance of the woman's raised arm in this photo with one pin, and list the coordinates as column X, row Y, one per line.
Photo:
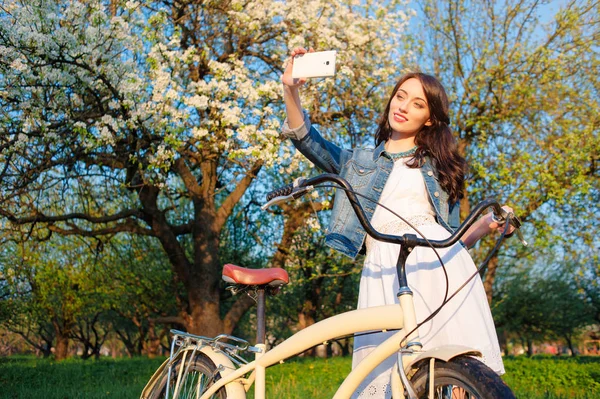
column 291, row 95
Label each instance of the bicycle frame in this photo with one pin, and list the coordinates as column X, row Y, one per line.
column 387, row 317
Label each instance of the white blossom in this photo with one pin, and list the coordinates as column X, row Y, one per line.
column 18, row 65
column 200, row 102
column 198, row 132
column 313, row 224
column 134, row 66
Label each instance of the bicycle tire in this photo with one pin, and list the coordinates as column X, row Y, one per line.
column 462, row 374
column 199, row 374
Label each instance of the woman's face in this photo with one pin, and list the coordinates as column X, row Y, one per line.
column 409, row 110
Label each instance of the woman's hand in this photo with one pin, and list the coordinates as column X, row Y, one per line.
column 291, row 95
column 493, row 225
column 286, row 78
column 484, row 226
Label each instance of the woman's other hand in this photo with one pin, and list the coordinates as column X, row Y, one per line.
column 494, row 225
column 286, row 78
column 484, row 226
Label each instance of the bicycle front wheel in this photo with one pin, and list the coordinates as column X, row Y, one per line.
column 461, row 378
column 188, row 379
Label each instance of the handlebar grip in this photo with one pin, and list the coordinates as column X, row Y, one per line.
column 281, row 192
column 288, row 189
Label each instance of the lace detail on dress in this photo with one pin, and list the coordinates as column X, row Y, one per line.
column 373, row 390
column 397, row 226
column 492, row 358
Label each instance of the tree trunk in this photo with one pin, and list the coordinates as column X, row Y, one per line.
column 503, row 341
column 345, row 345
column 570, row 345
column 114, row 349
column 152, row 344
column 61, row 334
column 62, row 346
column 490, row 276
column 529, row 347
column 204, row 313
column 329, row 350
column 46, row 351
column 131, row 348
column 305, row 319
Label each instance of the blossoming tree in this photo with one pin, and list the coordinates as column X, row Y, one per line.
column 155, row 117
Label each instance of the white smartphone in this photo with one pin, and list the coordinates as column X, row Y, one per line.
column 314, row 65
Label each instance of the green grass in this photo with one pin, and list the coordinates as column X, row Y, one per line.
column 554, row 377
column 28, row 377
column 307, row 378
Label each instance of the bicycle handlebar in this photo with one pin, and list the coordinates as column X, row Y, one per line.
column 302, row 186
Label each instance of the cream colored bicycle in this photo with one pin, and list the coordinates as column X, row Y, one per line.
column 203, row 367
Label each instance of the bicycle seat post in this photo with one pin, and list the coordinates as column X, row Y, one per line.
column 260, row 315
column 259, row 385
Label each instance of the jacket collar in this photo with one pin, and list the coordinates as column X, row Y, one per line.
column 379, row 150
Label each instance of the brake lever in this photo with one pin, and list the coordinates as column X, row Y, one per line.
column 513, row 220
column 277, row 201
column 521, row 238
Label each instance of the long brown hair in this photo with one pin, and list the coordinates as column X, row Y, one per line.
column 435, row 141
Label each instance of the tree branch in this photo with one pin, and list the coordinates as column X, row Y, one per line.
column 41, row 218
column 169, row 320
column 127, row 227
column 234, row 197
column 163, row 231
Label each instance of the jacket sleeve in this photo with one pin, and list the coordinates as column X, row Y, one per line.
column 324, row 154
column 454, row 215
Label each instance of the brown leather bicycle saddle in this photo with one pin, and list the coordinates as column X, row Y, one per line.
column 273, row 276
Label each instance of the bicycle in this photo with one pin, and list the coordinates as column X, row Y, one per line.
column 204, row 367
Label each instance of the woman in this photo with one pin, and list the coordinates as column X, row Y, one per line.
column 416, row 170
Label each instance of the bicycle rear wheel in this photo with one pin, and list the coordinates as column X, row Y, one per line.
column 195, row 375
column 461, row 378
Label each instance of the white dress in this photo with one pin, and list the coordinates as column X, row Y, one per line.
column 465, row 320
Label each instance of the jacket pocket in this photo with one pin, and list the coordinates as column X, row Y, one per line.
column 357, row 175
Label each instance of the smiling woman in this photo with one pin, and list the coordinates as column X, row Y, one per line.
column 417, row 117
column 415, row 171
column 408, row 113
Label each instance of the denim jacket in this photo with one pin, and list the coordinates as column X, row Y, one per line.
column 367, row 170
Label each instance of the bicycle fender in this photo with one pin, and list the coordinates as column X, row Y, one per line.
column 445, row 353
column 234, row 389
column 150, row 384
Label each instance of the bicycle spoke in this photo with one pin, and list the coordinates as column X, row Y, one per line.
column 453, row 392
column 193, row 382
